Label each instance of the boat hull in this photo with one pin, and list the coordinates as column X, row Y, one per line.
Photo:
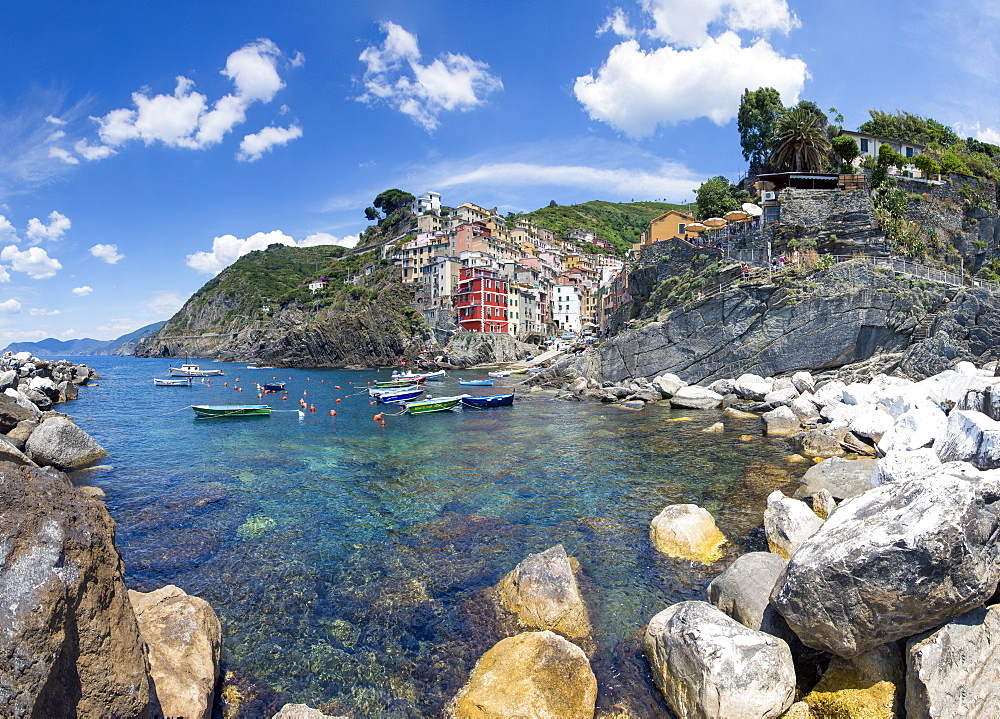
column 437, row 404
column 172, row 382
column 193, row 370
column 274, row 386
column 231, row 410
column 379, row 391
column 476, row 382
column 391, row 397
column 495, row 400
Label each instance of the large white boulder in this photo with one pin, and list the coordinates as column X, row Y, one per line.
column 954, row 671
column 830, row 393
column 872, row 424
column 969, row 436
column 695, row 397
column 788, row 523
column 900, row 559
column 921, row 425
column 901, row 465
column 708, row 665
column 781, row 396
column 668, row 384
column 60, row 443
column 753, row 387
column 803, row 382
column 781, row 421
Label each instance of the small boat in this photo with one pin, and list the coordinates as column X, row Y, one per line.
column 400, row 395
column 476, row 382
column 499, row 374
column 434, row 404
column 274, row 386
column 236, row 410
column 172, row 382
column 493, row 400
column 387, row 384
column 377, row 391
column 440, row 374
column 193, row 370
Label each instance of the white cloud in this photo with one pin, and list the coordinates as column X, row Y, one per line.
column 229, row 248
column 56, row 227
column 7, row 229
column 695, row 74
column 976, row 130
column 395, row 75
column 42, row 312
column 24, row 335
column 183, row 119
column 324, row 238
column 165, row 304
column 54, row 120
column 10, row 307
column 93, row 152
column 253, row 147
column 64, row 155
column 34, row 262
column 82, row 291
column 617, row 22
column 108, row 253
column 4, row 274
column 68, row 333
column 118, row 326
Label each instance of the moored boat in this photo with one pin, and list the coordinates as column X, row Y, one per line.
column 493, row 400
column 499, row 374
column 476, row 382
column 389, row 384
column 231, row 410
column 193, row 370
column 433, row 404
column 274, row 386
column 439, row 374
column 378, row 391
column 399, row 395
column 172, row 382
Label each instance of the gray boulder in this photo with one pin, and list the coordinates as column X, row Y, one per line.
column 970, row 436
column 752, row 387
column 783, row 396
column 787, row 523
column 8, row 380
column 10, row 453
column 694, row 397
column 819, row 444
column 542, row 592
column 919, row 426
column 843, row 478
column 708, row 665
column 780, row 421
column 61, row 444
column 804, row 408
column 954, row 671
column 899, row 466
column 668, row 384
column 898, row 560
column 32, row 411
column 743, row 591
column 803, row 382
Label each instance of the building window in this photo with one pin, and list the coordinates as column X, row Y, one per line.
column 909, row 152
column 681, row 227
column 864, row 144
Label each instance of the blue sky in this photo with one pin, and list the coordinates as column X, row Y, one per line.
column 145, row 146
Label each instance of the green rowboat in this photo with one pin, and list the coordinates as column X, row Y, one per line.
column 226, row 410
column 435, row 404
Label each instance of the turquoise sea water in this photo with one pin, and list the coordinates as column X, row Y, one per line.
column 349, row 561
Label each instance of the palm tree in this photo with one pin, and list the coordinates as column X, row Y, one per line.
column 800, row 141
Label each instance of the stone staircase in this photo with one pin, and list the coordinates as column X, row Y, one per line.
column 923, row 329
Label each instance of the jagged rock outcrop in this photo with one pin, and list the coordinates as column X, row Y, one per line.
column 71, row 645
column 465, row 349
column 851, row 313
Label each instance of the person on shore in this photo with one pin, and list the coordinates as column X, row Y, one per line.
column 746, row 272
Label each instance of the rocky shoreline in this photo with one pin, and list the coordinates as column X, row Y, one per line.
column 877, row 597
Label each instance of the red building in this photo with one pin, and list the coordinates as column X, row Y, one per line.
column 481, row 300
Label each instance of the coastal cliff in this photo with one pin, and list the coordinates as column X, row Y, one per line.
column 849, row 313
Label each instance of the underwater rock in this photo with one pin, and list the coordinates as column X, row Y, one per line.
column 687, row 531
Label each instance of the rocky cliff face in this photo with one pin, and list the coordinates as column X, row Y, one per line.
column 847, row 314
column 71, row 644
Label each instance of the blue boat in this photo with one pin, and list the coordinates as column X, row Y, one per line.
column 476, row 382
column 274, row 386
column 493, row 400
column 399, row 396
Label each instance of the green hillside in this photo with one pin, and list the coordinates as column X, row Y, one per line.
column 620, row 223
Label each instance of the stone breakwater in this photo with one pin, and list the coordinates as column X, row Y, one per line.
column 877, row 597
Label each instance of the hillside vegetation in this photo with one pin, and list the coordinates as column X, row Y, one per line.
column 620, row 223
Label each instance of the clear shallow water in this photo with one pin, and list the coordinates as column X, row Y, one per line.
column 348, row 561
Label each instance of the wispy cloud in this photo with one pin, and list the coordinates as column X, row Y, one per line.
column 395, row 75
column 10, row 307
column 164, row 304
column 253, row 147
column 689, row 72
column 82, row 291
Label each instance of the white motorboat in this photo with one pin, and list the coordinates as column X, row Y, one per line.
column 193, row 370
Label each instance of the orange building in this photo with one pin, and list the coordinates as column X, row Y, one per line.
column 669, row 224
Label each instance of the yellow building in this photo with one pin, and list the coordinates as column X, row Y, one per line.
column 669, row 224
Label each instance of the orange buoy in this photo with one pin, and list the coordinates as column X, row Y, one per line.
column 308, row 380
column 377, row 417
column 333, row 413
column 285, row 398
column 338, row 399
column 383, row 423
column 336, row 386
column 260, row 396
column 371, row 403
column 312, row 408
column 236, row 380
column 304, row 394
column 225, row 384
